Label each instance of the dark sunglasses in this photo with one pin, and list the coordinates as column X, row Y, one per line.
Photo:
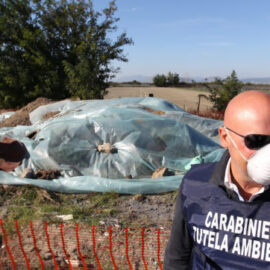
column 253, row 141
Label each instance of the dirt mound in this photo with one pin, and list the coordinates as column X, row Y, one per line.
column 50, row 115
column 21, row 117
column 48, row 175
column 153, row 111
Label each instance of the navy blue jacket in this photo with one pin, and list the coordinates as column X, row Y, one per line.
column 212, row 229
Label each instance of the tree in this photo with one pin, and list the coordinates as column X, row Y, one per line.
column 57, row 49
column 222, row 91
column 160, row 80
column 173, row 79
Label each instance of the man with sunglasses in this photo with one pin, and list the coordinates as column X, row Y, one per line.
column 222, row 217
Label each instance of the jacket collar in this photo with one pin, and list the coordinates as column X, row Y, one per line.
column 219, row 172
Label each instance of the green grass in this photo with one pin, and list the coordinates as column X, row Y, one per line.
column 25, row 203
column 174, row 196
column 32, row 203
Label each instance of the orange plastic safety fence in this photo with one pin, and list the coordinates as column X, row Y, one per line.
column 126, row 241
column 42, row 245
column 143, row 258
column 21, row 245
column 158, row 250
column 7, row 245
column 79, row 248
column 94, row 247
column 49, row 245
column 35, row 245
column 111, row 248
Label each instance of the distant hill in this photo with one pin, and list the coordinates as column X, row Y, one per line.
column 257, row 80
column 265, row 80
column 148, row 79
column 139, row 78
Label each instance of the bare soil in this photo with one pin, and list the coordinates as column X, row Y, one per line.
column 49, row 115
column 21, row 117
column 185, row 98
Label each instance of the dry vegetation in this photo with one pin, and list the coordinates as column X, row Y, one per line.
column 186, row 98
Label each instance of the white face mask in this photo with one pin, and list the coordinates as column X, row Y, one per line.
column 258, row 165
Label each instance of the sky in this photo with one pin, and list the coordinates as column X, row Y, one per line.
column 194, row 38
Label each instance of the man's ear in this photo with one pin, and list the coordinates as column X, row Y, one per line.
column 223, row 137
column 2, row 164
column 2, row 161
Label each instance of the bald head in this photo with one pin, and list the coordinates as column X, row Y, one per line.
column 249, row 112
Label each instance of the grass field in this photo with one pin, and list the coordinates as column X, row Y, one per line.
column 186, row 98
